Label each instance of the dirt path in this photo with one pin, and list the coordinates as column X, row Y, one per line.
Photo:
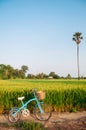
column 58, row 121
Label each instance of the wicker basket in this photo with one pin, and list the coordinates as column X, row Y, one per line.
column 40, row 95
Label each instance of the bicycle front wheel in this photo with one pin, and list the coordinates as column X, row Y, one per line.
column 14, row 115
column 46, row 112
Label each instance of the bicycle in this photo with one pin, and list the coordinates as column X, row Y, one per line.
column 42, row 111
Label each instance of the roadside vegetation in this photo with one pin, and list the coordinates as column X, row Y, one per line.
column 61, row 95
column 23, row 125
column 9, row 72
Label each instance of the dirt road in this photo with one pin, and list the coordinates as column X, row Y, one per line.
column 58, row 121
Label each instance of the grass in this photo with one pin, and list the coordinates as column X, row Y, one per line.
column 62, row 95
column 23, row 125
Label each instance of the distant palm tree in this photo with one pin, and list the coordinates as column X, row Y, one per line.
column 77, row 38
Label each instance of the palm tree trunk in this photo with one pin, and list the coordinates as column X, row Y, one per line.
column 78, row 61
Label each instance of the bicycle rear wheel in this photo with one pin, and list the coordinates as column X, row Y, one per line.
column 14, row 115
column 46, row 112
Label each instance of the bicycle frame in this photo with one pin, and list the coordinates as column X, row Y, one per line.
column 42, row 111
column 24, row 105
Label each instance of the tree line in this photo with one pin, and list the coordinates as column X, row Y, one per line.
column 8, row 72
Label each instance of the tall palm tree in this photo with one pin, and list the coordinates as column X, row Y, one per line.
column 77, row 38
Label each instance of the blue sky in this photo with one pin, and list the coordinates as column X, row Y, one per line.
column 38, row 33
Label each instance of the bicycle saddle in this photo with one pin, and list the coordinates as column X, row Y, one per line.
column 21, row 98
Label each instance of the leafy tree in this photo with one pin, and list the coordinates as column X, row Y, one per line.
column 6, row 71
column 40, row 76
column 2, row 70
column 56, row 76
column 46, row 76
column 16, row 73
column 21, row 74
column 77, row 38
column 52, row 74
column 30, row 76
column 9, row 71
column 24, row 68
column 68, row 76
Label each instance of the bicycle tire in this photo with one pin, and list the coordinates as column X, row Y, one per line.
column 14, row 118
column 46, row 112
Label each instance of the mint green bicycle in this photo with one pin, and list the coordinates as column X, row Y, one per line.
column 42, row 111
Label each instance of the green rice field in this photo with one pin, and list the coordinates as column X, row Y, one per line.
column 61, row 95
